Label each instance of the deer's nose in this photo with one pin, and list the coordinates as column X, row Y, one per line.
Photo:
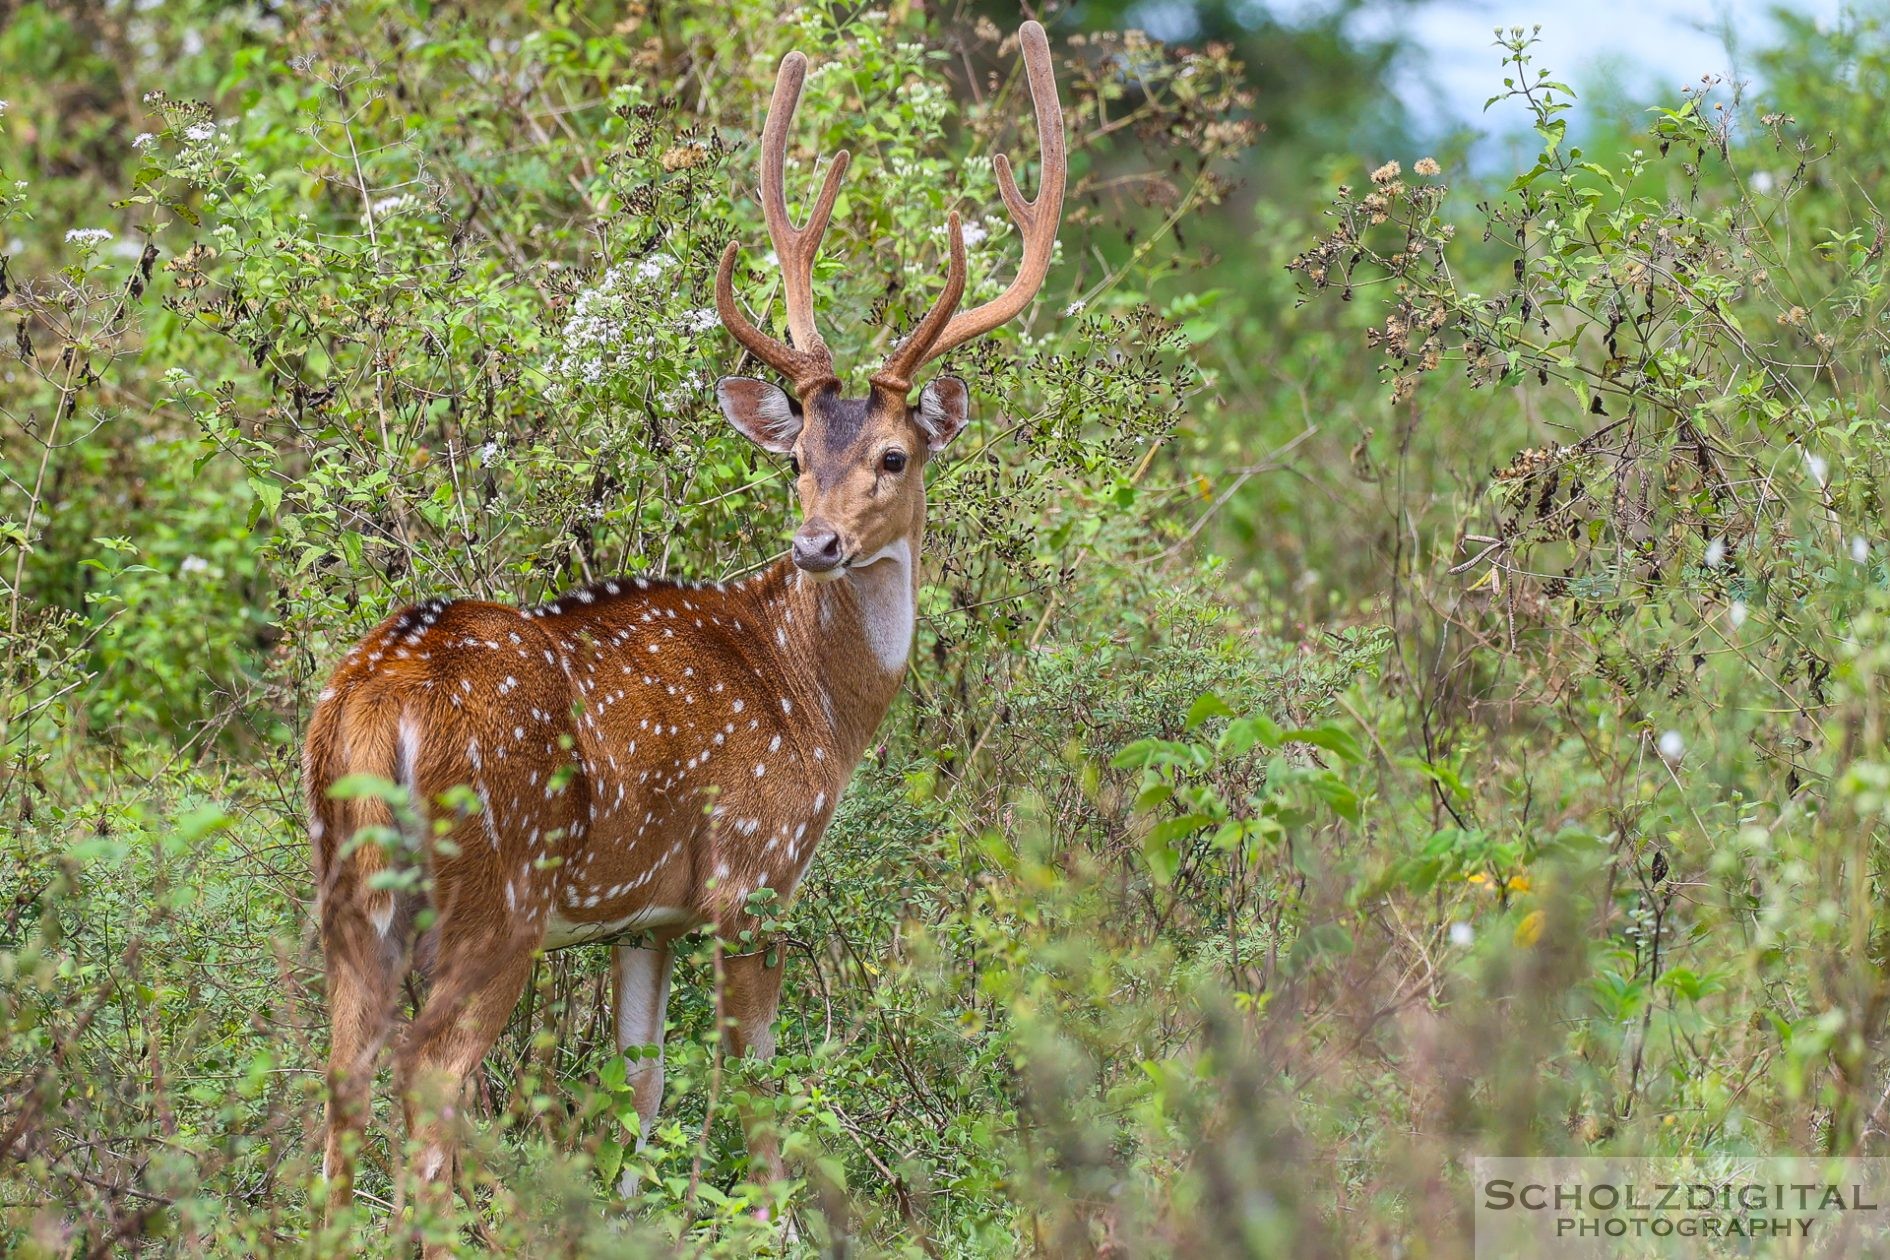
column 817, row 547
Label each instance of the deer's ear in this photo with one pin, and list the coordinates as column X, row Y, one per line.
column 943, row 411
column 764, row 414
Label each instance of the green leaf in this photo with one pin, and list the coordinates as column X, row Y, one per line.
column 268, row 493
column 1153, row 752
column 1243, row 733
column 1339, row 795
column 1154, row 794
column 1329, row 736
column 1444, row 776
column 1207, row 706
column 203, row 821
column 350, row 787
column 1171, row 829
column 610, row 1153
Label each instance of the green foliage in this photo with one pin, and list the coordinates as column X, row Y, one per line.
column 1345, row 737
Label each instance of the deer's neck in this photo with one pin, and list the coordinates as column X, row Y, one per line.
column 845, row 643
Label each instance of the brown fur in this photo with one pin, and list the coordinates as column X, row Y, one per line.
column 636, row 749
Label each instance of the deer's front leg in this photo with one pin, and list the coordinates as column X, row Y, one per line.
column 751, row 990
column 642, row 991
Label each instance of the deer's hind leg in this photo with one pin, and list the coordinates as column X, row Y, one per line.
column 491, row 902
column 475, row 984
column 364, row 964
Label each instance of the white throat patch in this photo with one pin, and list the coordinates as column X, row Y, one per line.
column 882, row 583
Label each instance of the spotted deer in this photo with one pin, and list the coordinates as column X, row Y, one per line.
column 641, row 756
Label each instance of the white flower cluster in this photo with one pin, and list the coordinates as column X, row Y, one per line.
column 614, row 329
column 87, row 238
column 977, row 231
column 144, row 141
column 928, row 101
column 692, row 386
column 388, row 207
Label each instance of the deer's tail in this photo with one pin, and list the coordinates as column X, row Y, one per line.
column 351, row 735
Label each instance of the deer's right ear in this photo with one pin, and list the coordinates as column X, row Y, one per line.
column 764, row 414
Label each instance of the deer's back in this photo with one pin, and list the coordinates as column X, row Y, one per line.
column 619, row 758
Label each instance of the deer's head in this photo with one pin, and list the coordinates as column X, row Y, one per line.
column 859, row 463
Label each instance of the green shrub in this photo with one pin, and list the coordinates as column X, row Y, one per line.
column 1346, row 736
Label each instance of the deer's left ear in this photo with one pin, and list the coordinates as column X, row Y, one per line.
column 944, row 409
column 764, row 415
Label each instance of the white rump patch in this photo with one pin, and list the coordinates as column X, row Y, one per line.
column 407, row 748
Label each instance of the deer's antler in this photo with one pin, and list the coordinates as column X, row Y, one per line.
column 807, row 361
column 1036, row 223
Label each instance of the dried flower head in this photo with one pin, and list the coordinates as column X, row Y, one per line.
column 686, row 156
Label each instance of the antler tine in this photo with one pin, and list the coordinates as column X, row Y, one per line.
column 796, row 247
column 805, row 370
column 807, row 362
column 913, row 352
column 1036, row 220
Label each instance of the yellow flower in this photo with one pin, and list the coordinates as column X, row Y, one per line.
column 1529, row 931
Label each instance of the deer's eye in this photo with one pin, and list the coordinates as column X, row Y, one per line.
column 794, row 464
column 893, row 461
